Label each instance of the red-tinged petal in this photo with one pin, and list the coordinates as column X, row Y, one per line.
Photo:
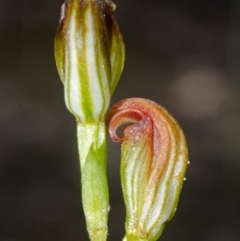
column 121, row 117
column 153, row 164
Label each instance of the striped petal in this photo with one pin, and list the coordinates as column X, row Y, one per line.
column 89, row 53
column 153, row 164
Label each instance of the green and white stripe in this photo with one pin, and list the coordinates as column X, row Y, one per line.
column 89, row 52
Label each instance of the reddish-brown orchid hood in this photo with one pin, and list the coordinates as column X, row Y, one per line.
column 153, row 164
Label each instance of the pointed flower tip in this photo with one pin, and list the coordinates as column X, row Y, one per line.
column 153, row 165
column 89, row 53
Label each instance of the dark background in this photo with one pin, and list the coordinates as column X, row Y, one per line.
column 183, row 54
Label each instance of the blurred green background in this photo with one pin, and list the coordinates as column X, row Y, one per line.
column 185, row 55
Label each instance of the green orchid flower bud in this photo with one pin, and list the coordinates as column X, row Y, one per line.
column 153, row 164
column 89, row 53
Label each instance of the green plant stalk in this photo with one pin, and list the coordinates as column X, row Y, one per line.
column 92, row 148
column 133, row 238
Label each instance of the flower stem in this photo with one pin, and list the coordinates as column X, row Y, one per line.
column 92, row 149
column 134, row 238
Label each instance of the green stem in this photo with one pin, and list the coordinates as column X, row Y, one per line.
column 92, row 149
column 129, row 237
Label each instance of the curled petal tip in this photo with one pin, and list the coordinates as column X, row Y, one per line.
column 117, row 118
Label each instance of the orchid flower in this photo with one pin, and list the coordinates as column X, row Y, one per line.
column 153, row 164
column 89, row 53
